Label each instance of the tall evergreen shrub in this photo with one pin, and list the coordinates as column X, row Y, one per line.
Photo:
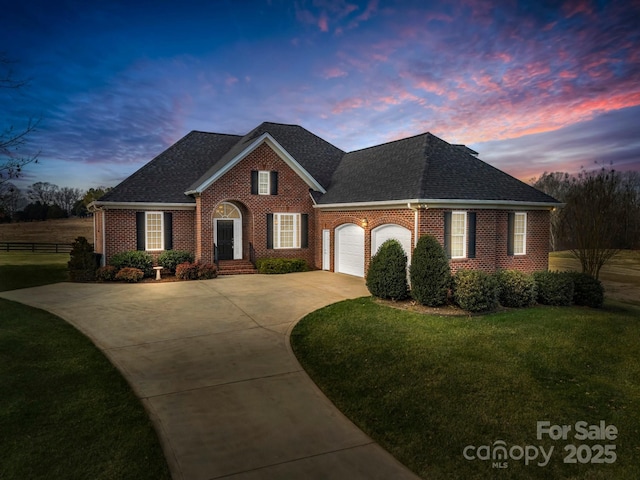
column 83, row 263
column 430, row 273
column 387, row 274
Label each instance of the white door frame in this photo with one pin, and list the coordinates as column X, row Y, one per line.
column 326, row 249
column 237, row 231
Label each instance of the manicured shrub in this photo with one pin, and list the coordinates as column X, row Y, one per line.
column 554, row 288
column 516, row 289
column 207, row 271
column 133, row 259
column 196, row 271
column 187, row 271
column 106, row 273
column 281, row 265
column 475, row 291
column 430, row 273
column 587, row 291
column 172, row 258
column 83, row 262
column 130, row 274
column 387, row 274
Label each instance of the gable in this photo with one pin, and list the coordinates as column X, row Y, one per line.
column 241, row 151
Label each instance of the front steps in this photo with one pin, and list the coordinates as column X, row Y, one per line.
column 236, row 267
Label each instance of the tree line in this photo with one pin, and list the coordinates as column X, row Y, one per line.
column 600, row 216
column 44, row 201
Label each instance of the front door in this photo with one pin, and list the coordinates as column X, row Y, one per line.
column 224, row 236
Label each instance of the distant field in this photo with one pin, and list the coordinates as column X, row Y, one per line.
column 64, row 230
column 620, row 276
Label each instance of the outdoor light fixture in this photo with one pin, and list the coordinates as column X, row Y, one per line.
column 365, row 223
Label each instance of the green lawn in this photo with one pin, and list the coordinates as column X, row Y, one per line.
column 65, row 411
column 426, row 386
column 26, row 269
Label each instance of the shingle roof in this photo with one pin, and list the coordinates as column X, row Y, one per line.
column 165, row 178
column 317, row 156
column 423, row 167
column 419, row 167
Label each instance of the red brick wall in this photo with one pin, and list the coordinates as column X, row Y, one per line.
column 491, row 236
column 235, row 187
column 331, row 220
column 120, row 227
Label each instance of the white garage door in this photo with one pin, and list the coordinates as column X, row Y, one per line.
column 390, row 231
column 350, row 250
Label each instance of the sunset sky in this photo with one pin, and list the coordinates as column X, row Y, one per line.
column 532, row 86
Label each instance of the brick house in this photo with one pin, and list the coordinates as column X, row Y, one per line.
column 281, row 191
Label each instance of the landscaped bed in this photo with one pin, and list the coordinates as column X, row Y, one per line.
column 426, row 386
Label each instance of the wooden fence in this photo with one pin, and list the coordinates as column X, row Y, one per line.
column 35, row 247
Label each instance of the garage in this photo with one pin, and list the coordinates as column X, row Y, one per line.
column 350, row 250
column 390, row 231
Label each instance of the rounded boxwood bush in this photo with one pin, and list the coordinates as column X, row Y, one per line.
column 516, row 289
column 130, row 274
column 172, row 258
column 430, row 273
column 475, row 291
column 554, row 288
column 587, row 291
column 133, row 259
column 387, row 274
column 281, row 265
column 106, row 273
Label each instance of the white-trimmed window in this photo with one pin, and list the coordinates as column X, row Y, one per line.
column 286, row 230
column 154, row 237
column 264, row 187
column 520, row 234
column 458, row 234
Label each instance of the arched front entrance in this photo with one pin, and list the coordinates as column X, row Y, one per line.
column 227, row 231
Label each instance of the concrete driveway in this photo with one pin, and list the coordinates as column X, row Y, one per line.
column 212, row 364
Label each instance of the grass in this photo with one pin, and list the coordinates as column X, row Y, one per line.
column 64, row 230
column 25, row 269
column 65, row 412
column 426, row 386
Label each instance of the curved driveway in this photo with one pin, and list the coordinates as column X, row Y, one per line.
column 212, row 364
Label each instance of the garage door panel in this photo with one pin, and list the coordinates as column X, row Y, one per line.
column 388, row 232
column 350, row 250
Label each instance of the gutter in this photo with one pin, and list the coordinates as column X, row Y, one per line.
column 443, row 203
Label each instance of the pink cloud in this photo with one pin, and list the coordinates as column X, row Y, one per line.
column 323, row 23
column 334, row 72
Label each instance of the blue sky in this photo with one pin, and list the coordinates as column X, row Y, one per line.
column 533, row 86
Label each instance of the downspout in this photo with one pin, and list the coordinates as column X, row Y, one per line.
column 103, row 260
column 415, row 223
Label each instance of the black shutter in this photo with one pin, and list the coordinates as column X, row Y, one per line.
column 471, row 244
column 304, row 230
column 254, row 182
column 168, row 231
column 274, row 183
column 140, row 230
column 511, row 219
column 269, row 230
column 447, row 233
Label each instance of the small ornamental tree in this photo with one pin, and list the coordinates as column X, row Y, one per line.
column 387, row 274
column 430, row 273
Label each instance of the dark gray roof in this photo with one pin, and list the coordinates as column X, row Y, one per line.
column 420, row 167
column 423, row 167
column 165, row 178
column 315, row 155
